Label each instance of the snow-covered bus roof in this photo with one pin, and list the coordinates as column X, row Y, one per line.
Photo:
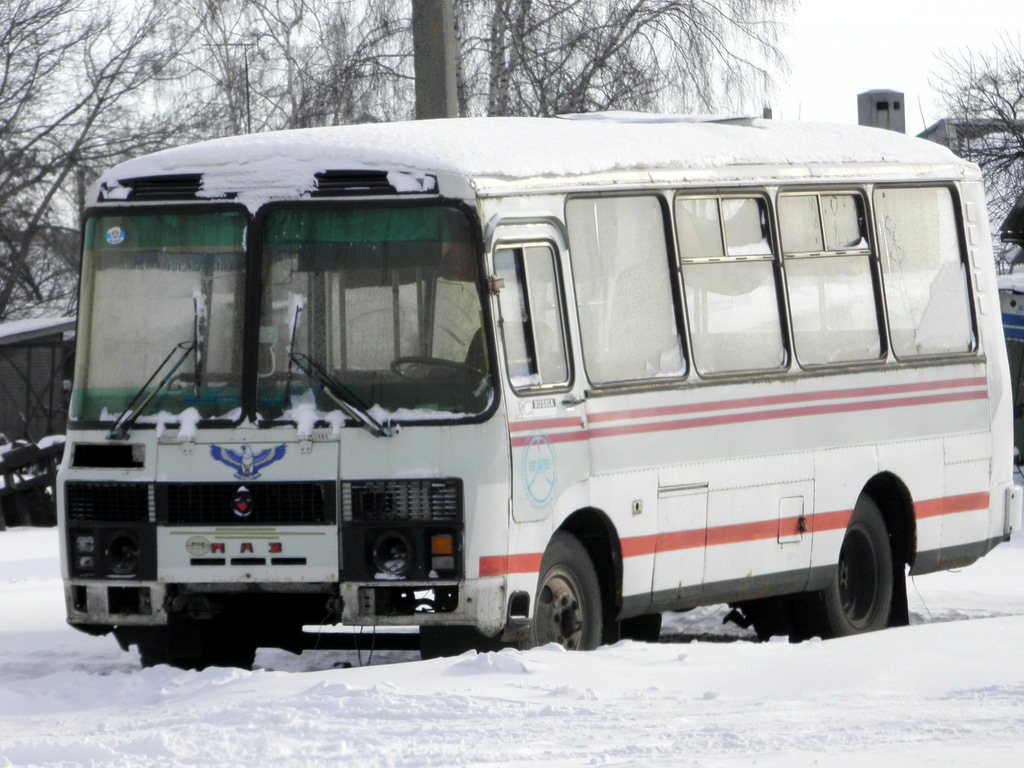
column 492, row 154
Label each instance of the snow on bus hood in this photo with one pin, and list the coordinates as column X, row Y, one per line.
column 282, row 164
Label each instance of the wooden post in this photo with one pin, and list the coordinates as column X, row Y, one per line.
column 433, row 42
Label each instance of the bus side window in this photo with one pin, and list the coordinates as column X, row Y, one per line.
column 729, row 283
column 923, row 270
column 531, row 316
column 623, row 284
column 829, row 276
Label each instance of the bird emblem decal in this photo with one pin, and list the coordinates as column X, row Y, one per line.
column 247, row 465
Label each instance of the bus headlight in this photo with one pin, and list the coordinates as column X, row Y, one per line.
column 84, row 555
column 392, row 554
column 123, row 554
column 85, row 544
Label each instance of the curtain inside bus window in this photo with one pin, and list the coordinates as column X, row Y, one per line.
column 531, row 316
column 623, row 288
column 832, row 302
column 925, row 278
column 546, row 308
column 515, row 318
column 800, row 224
column 384, row 301
column 700, row 233
column 828, row 275
column 746, row 227
column 152, row 282
column 731, row 300
column 842, row 218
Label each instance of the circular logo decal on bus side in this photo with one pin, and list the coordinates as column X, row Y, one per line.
column 539, row 470
column 115, row 235
column 197, row 546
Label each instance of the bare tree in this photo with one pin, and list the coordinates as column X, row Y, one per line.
column 982, row 92
column 75, row 85
column 83, row 84
column 268, row 64
column 545, row 57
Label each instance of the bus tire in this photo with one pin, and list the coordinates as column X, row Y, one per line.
column 860, row 596
column 568, row 606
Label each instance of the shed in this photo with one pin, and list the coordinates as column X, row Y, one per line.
column 36, row 363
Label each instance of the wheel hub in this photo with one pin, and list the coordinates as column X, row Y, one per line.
column 563, row 621
column 857, row 583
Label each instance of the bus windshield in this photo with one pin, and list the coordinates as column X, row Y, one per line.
column 370, row 314
column 161, row 292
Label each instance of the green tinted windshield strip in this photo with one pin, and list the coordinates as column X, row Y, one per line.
column 187, row 232
column 373, row 225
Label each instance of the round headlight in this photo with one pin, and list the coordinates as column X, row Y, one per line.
column 392, row 554
column 123, row 554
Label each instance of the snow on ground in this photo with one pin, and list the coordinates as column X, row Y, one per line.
column 948, row 690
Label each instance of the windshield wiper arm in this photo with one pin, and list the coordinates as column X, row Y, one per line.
column 127, row 420
column 340, row 394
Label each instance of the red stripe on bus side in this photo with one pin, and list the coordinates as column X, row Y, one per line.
column 743, row 532
column 502, row 565
column 639, row 546
column 743, row 418
column 829, row 521
column 669, row 542
column 968, row 502
column 539, row 424
column 749, row 402
column 758, row 402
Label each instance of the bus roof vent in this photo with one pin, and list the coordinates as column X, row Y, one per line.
column 345, row 183
column 183, row 186
column 338, row 183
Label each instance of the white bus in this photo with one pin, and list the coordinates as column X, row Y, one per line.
column 529, row 381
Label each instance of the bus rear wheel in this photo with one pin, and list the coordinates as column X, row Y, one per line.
column 860, row 596
column 568, row 606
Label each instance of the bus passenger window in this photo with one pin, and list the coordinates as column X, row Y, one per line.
column 729, row 284
column 923, row 271
column 531, row 316
column 623, row 288
column 829, row 276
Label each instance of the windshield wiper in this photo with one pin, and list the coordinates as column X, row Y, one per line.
column 131, row 414
column 340, row 394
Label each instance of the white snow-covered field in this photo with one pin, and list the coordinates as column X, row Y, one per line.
column 948, row 690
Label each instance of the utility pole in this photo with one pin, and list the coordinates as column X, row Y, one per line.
column 433, row 45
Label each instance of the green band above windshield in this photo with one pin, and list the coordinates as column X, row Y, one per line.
column 365, row 225
column 206, row 231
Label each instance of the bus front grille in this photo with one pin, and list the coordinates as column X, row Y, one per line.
column 108, row 502
column 409, row 500
column 264, row 503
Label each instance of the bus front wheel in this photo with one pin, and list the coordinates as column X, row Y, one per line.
column 860, row 596
column 568, row 606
